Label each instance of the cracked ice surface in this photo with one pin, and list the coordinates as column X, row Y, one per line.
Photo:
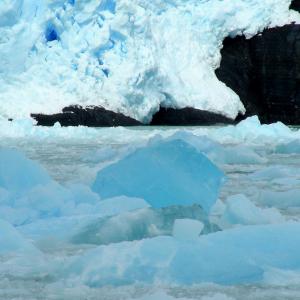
column 128, row 56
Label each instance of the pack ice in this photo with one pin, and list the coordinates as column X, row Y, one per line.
column 234, row 256
column 175, row 174
column 76, row 237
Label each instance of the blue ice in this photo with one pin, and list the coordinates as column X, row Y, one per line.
column 164, row 174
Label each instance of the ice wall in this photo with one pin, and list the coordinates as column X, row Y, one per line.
column 129, row 56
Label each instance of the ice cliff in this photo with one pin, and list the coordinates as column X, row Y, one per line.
column 127, row 56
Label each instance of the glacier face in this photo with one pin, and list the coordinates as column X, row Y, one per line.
column 128, row 56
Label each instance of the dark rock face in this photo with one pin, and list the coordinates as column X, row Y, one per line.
column 187, row 116
column 265, row 72
column 90, row 116
column 295, row 5
column 100, row 117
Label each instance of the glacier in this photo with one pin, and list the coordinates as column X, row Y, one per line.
column 127, row 56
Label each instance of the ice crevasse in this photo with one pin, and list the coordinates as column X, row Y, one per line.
column 128, row 56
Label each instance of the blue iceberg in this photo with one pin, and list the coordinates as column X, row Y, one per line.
column 235, row 256
column 19, row 174
column 164, row 174
column 292, row 147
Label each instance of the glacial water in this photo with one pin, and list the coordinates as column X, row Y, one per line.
column 260, row 162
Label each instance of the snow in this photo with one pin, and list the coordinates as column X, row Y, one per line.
column 128, row 56
column 164, row 174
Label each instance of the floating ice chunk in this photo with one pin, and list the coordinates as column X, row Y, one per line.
column 239, row 155
column 281, row 199
column 233, row 256
column 187, row 229
column 18, row 173
column 164, row 174
column 252, row 131
column 218, row 296
column 27, row 193
column 219, row 153
column 275, row 173
column 161, row 296
column 11, row 241
column 230, row 135
column 277, row 277
column 141, row 224
column 68, row 227
column 48, row 201
column 289, row 148
column 240, row 210
column 4, row 196
column 117, row 205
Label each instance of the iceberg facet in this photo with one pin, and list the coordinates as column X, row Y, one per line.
column 218, row 153
column 11, row 241
column 164, row 174
column 187, row 229
column 289, row 148
column 187, row 222
column 240, row 210
column 18, row 173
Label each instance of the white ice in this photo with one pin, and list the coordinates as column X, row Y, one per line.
column 129, row 56
column 187, row 229
column 240, row 210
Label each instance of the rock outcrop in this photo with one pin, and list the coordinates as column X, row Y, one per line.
column 265, row 72
column 100, row 117
column 89, row 116
column 188, row 116
column 295, row 5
